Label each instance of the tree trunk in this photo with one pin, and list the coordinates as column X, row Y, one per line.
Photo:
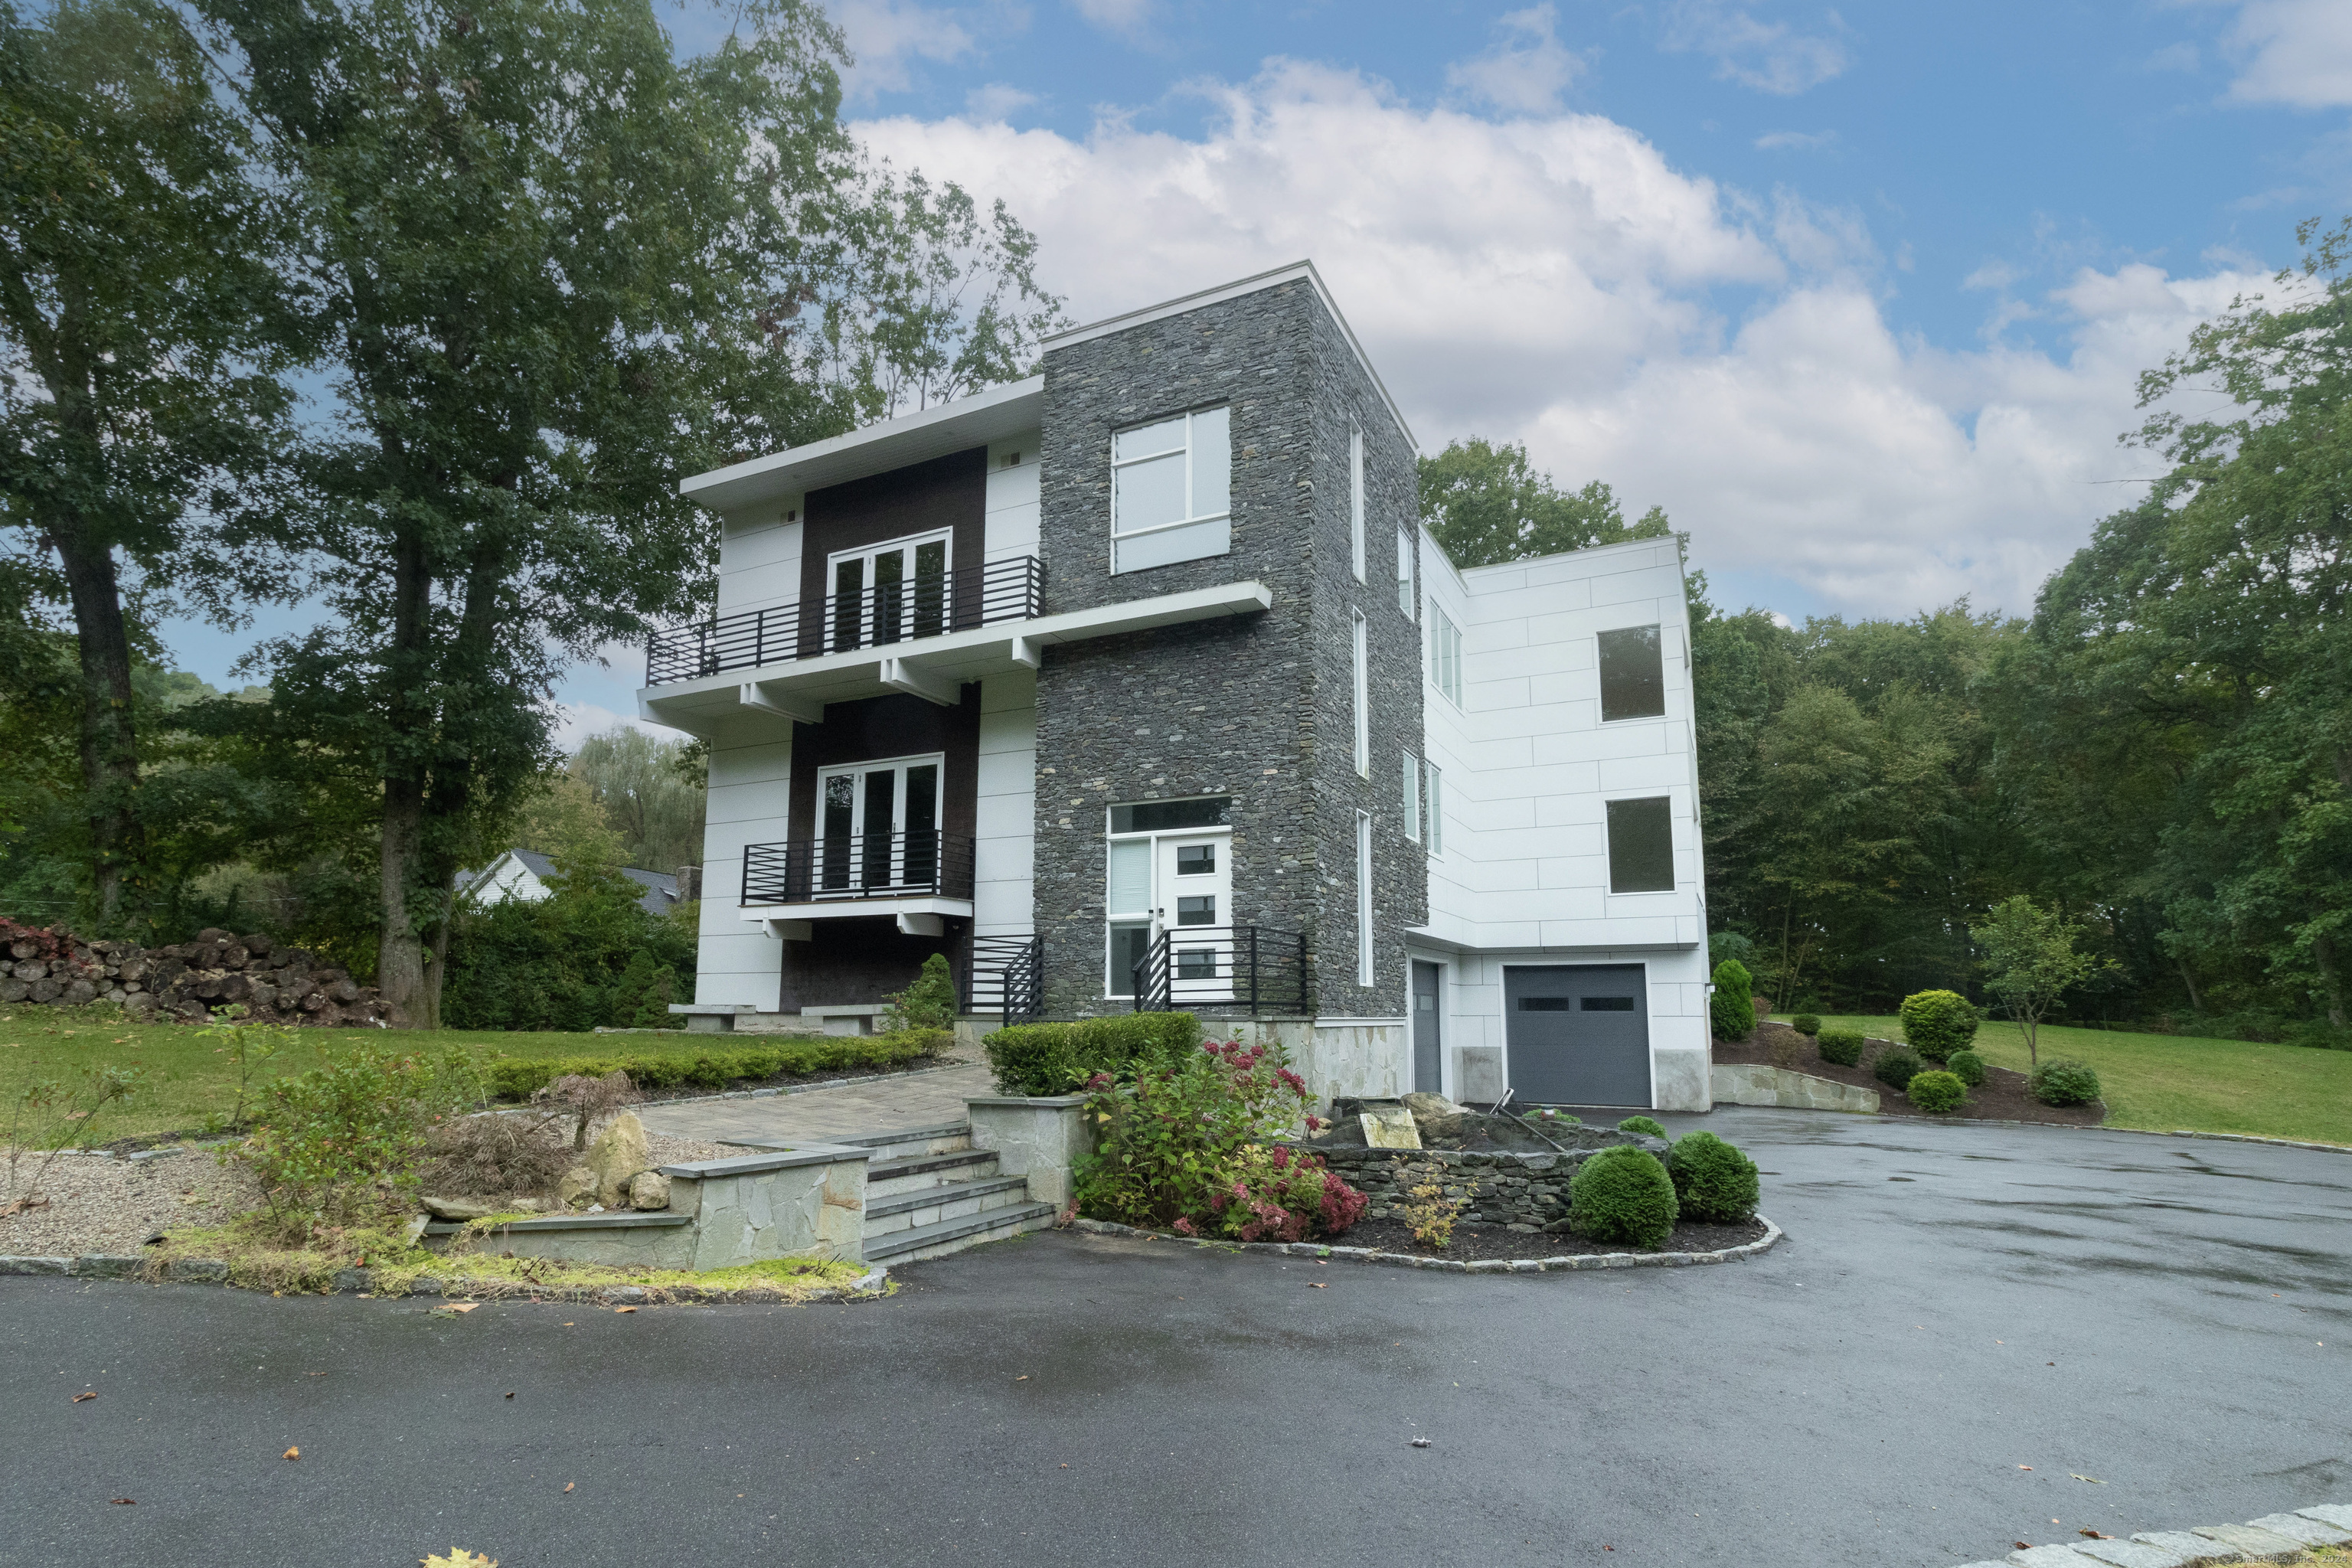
column 109, row 754
column 2323, row 948
column 401, row 963
column 2196, row 1002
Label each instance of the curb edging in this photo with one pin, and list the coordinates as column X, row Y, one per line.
column 1565, row 1263
column 2272, row 1538
column 874, row 1282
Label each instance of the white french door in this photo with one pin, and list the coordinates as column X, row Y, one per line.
column 1179, row 884
column 879, row 827
column 887, row 593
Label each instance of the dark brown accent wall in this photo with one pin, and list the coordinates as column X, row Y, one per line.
column 921, row 497
column 847, row 962
column 897, row 726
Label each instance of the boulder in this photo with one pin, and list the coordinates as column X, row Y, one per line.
column 212, row 933
column 618, row 1154
column 648, row 1191
column 258, row 945
column 79, row 992
column 15, row 990
column 462, row 1208
column 577, row 1189
column 1434, row 1115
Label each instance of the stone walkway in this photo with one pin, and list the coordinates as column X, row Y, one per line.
column 887, row 1105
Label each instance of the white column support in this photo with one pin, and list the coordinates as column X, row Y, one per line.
column 754, row 695
column 1026, row 652
column 915, row 681
column 921, row 925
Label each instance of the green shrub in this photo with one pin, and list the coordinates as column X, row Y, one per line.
column 1643, row 1125
column 1733, row 1005
column 1937, row 1023
column 1937, row 1093
column 586, row 955
column 1806, row 1022
column 929, row 1002
column 1896, row 1068
column 1841, row 1047
column 1623, row 1196
column 2063, row 1081
column 1038, row 1059
column 339, row 1144
column 1967, row 1067
column 516, row 1078
column 1713, row 1180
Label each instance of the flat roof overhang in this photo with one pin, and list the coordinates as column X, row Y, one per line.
column 996, row 415
column 774, row 696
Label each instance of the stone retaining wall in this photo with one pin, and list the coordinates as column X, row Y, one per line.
column 1524, row 1193
column 1749, row 1083
column 185, row 980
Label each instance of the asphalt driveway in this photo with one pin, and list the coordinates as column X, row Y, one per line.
column 2166, row 1318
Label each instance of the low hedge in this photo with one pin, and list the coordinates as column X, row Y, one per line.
column 1841, row 1047
column 1806, row 1022
column 1713, row 1180
column 1037, row 1060
column 2063, row 1081
column 515, row 1077
column 1623, row 1196
column 1937, row 1023
column 1896, row 1068
column 1937, row 1092
column 1967, row 1067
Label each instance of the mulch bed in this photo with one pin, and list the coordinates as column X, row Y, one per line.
column 1473, row 1243
column 2000, row 1097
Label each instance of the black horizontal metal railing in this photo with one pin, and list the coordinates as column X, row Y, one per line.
column 878, row 615
column 1007, row 975
column 1255, row 969
column 861, row 865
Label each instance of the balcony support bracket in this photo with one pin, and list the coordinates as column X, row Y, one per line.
column 921, row 925
column 899, row 674
column 1025, row 651
column 755, row 695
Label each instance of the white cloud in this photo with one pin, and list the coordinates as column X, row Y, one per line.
column 575, row 721
column 1995, row 274
column 995, row 101
column 2296, row 51
column 1557, row 280
column 1526, row 70
column 887, row 35
column 1795, row 140
column 1128, row 16
column 1771, row 56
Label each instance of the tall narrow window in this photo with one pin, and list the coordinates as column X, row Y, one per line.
column 1632, row 674
column 1412, row 797
column 1363, row 898
column 1446, row 655
column 1359, row 645
column 1642, row 845
column 1171, row 490
column 1405, row 593
column 1356, row 501
column 1434, row 803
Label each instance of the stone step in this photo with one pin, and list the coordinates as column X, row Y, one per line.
column 950, row 1200
column 888, row 1178
column 945, row 1139
column 950, row 1236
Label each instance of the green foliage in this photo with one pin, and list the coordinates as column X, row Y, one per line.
column 586, row 955
column 1809, row 1024
column 2062, row 1081
column 2030, row 961
column 646, row 795
column 1896, row 1068
column 251, row 1049
column 1485, row 505
column 1649, row 1125
column 1937, row 1023
column 1732, row 1007
column 1623, row 1196
column 339, row 1144
column 518, row 1078
column 931, row 1002
column 1841, row 1047
column 1714, row 1181
column 1937, row 1093
column 1040, row 1059
column 1967, row 1067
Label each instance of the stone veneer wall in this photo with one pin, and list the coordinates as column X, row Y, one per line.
column 1257, row 708
column 1524, row 1193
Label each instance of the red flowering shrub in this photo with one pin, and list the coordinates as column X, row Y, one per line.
column 1192, row 1148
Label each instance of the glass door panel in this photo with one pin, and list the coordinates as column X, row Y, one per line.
column 1195, row 887
column 848, row 601
column 888, row 592
column 839, row 792
column 918, row 864
column 878, row 829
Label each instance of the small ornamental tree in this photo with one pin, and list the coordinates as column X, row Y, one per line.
column 1937, row 1023
column 1733, row 1005
column 2031, row 961
column 929, row 1002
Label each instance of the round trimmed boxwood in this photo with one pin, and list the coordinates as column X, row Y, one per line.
column 1937, row 1093
column 2063, row 1081
column 1713, row 1180
column 1644, row 1124
column 1806, row 1022
column 1967, row 1067
column 1841, row 1047
column 1937, row 1023
column 1732, row 1008
column 1623, row 1196
column 1895, row 1069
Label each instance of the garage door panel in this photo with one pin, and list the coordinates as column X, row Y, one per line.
column 1578, row 1033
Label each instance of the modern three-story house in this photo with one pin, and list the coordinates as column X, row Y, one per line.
column 1139, row 683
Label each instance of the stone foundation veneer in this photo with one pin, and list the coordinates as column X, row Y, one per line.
column 1749, row 1083
column 1519, row 1192
column 1040, row 1138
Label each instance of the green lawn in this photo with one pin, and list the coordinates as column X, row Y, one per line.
column 187, row 1077
column 2175, row 1081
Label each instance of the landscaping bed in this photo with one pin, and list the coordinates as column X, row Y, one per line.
column 1472, row 1244
column 2002, row 1096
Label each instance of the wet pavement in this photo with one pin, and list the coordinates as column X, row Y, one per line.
column 2156, row 1327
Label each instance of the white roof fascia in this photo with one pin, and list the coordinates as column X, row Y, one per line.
column 1235, row 291
column 968, row 422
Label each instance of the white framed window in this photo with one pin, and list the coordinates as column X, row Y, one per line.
column 1406, row 595
column 889, row 591
column 1632, row 674
column 1360, row 648
column 1356, row 501
column 1446, row 655
column 1363, row 898
column 1432, row 796
column 1642, row 845
column 1412, row 797
column 1171, row 490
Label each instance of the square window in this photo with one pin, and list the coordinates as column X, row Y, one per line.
column 1171, row 490
column 1642, row 845
column 1632, row 674
column 1446, row 655
column 1196, row 963
column 1199, row 912
column 1196, row 860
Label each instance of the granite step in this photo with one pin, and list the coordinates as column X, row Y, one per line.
column 950, row 1200
column 911, row 1172
column 945, row 1236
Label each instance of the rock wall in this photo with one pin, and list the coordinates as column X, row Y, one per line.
column 1519, row 1192
column 186, row 981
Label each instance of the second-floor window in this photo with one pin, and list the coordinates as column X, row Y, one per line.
column 1632, row 674
column 1171, row 490
column 1446, row 655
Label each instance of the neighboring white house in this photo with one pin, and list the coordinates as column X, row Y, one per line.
column 524, row 874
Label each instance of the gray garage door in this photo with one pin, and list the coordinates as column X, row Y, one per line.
column 1579, row 1035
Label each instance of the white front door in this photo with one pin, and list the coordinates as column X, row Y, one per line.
column 888, row 592
column 1195, row 913
column 878, row 826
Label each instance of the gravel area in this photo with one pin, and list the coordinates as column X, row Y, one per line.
column 100, row 1202
column 684, row 1151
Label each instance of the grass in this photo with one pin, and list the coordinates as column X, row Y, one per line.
column 2170, row 1082
column 188, row 1077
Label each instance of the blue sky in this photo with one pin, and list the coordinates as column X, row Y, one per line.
column 1858, row 294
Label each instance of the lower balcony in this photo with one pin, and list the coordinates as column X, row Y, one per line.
column 920, row 877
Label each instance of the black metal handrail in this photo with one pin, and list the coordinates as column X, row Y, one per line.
column 861, row 865
column 1192, row 969
column 1007, row 975
column 876, row 616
